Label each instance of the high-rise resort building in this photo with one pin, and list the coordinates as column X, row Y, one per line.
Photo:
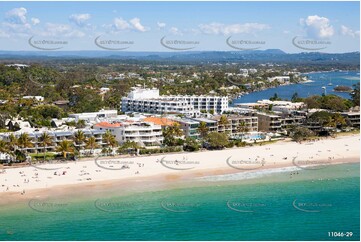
column 149, row 101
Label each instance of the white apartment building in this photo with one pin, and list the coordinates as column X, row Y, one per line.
column 93, row 116
column 283, row 106
column 143, row 133
column 280, row 79
column 149, row 101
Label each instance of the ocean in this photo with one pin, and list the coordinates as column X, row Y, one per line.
column 279, row 204
column 320, row 79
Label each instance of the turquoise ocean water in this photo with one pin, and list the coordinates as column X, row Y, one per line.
column 278, row 205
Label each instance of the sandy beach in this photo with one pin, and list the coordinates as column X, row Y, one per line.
column 25, row 182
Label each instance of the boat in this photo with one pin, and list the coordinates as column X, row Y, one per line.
column 329, row 84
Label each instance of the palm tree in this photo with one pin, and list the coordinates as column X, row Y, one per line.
column 176, row 130
column 242, row 127
column 203, row 129
column 223, row 121
column 45, row 140
column 80, row 124
column 110, row 140
column 79, row 139
column 4, row 147
column 65, row 147
column 339, row 120
column 13, row 142
column 127, row 146
column 171, row 132
column 91, row 144
column 24, row 141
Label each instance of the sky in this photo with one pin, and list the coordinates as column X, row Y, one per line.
column 293, row 27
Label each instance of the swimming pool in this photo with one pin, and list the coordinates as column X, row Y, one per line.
column 251, row 136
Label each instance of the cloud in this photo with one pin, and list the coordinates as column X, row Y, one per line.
column 120, row 24
column 17, row 29
column 4, row 34
column 35, row 21
column 161, row 25
column 60, row 30
column 349, row 32
column 137, row 25
column 79, row 19
column 16, row 16
column 175, row 31
column 219, row 28
column 317, row 27
column 16, row 22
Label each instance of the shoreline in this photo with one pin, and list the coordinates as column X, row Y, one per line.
column 161, row 170
column 103, row 189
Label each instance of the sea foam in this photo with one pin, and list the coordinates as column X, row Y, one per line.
column 245, row 175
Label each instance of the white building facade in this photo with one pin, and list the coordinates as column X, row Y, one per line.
column 144, row 134
column 149, row 101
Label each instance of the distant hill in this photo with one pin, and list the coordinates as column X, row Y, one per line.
column 258, row 56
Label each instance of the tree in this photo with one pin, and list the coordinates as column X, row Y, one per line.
column 330, row 102
column 13, row 142
column 223, row 120
column 298, row 133
column 91, row 144
column 295, row 97
column 312, row 102
column 242, row 127
column 191, row 144
column 3, row 118
column 45, row 140
column 24, row 141
column 355, row 95
column 203, row 129
column 217, row 140
column 79, row 139
column 128, row 146
column 338, row 120
column 323, row 118
column 171, row 134
column 110, row 140
column 4, row 147
column 80, row 124
column 275, row 97
column 65, row 147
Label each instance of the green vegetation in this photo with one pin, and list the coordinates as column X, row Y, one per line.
column 65, row 147
column 330, row 102
column 327, row 119
column 191, row 145
column 44, row 156
column 128, row 147
column 203, row 129
column 172, row 135
column 299, row 134
column 216, row 140
column 160, row 150
column 342, row 89
column 355, row 95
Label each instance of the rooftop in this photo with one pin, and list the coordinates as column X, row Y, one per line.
column 159, row 121
column 108, row 125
